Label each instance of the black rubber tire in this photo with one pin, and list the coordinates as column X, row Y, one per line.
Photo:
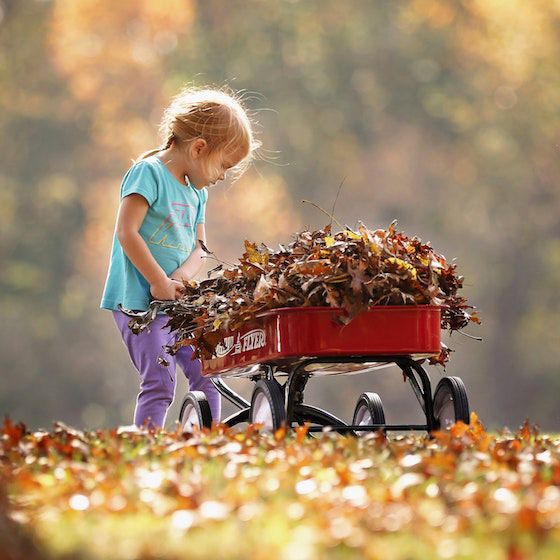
column 368, row 404
column 198, row 403
column 267, row 392
column 451, row 403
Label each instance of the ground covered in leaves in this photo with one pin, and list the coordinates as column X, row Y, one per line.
column 128, row 494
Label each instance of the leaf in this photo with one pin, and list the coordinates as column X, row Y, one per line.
column 280, row 433
column 14, row 432
column 204, row 248
column 459, row 429
column 525, row 431
column 301, row 432
column 256, row 255
column 351, row 235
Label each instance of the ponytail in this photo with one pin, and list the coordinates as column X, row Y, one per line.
column 149, row 153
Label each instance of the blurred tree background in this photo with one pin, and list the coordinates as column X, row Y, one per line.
column 442, row 115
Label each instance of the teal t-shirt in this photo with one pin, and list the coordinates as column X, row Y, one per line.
column 169, row 230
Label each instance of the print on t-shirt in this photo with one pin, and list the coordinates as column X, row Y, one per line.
column 169, row 234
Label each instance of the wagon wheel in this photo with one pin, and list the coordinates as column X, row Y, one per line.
column 450, row 403
column 267, row 405
column 195, row 411
column 368, row 411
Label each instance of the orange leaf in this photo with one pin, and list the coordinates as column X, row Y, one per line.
column 280, row 433
column 459, row 429
column 525, row 431
column 301, row 432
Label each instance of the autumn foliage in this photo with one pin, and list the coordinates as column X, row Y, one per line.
column 350, row 270
column 132, row 493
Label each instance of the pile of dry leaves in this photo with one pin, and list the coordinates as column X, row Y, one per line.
column 352, row 270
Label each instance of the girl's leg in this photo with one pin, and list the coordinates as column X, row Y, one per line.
column 157, row 385
column 193, row 372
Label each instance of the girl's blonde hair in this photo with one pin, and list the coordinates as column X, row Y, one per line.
column 214, row 115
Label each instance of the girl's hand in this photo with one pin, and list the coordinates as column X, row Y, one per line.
column 167, row 289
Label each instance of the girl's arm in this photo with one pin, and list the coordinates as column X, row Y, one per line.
column 189, row 269
column 132, row 211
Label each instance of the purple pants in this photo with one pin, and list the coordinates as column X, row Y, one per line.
column 157, row 382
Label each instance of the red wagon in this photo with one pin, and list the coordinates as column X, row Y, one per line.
column 281, row 349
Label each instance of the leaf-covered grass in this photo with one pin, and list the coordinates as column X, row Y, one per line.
column 224, row 495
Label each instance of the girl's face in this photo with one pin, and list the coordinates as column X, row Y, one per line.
column 206, row 169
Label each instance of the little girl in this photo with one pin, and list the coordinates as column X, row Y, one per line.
column 159, row 224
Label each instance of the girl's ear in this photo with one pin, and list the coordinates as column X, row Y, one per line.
column 198, row 147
